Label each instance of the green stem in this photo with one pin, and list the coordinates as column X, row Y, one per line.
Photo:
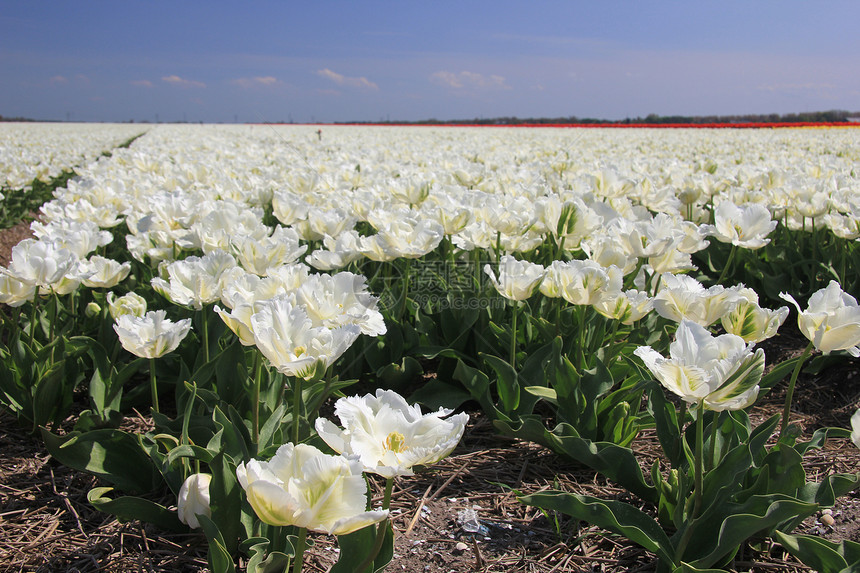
column 712, row 449
column 697, row 486
column 728, row 264
column 380, row 529
column 35, row 317
column 386, row 498
column 297, row 404
column 377, row 546
column 55, row 318
column 682, row 416
column 789, row 393
column 700, row 439
column 205, row 328
column 152, row 386
column 300, row 550
column 580, row 310
column 255, row 399
column 514, row 337
column 407, row 265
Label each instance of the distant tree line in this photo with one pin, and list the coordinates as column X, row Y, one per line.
column 2, row 118
column 832, row 116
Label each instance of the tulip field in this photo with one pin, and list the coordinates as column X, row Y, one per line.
column 411, row 348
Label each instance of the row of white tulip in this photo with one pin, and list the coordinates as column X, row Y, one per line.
column 30, row 151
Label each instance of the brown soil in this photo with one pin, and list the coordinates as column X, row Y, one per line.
column 46, row 523
column 11, row 237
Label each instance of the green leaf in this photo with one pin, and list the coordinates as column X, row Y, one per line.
column 822, row 555
column 596, row 382
column 272, row 429
column 617, row 463
column 507, row 382
column 543, row 392
column 758, row 515
column 234, row 436
column 226, row 501
column 220, row 560
column 687, row 568
column 232, row 388
column 776, row 374
column 477, row 383
column 820, row 437
column 189, row 451
column 127, row 508
column 356, row 547
column 832, row 487
column 437, row 393
column 666, row 421
column 113, row 455
column 616, row 516
column 259, row 562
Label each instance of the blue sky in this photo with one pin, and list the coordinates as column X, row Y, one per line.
column 400, row 60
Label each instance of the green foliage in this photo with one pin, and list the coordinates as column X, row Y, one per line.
column 18, row 204
column 749, row 488
column 363, row 552
column 822, row 555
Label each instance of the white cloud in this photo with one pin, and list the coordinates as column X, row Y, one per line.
column 468, row 80
column 256, row 81
column 341, row 80
column 58, row 80
column 181, row 82
column 142, row 83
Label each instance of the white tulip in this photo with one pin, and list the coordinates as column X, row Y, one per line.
column 683, row 297
column 15, row 292
column 744, row 226
column 626, row 307
column 855, row 428
column 518, row 280
column 194, row 499
column 195, row 281
column 105, row 273
column 304, row 487
column 131, row 303
column 152, row 335
column 41, row 263
column 723, row 371
column 831, row 320
column 286, row 336
column 750, row 321
column 389, row 436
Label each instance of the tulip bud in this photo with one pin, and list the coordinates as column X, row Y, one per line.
column 131, row 303
column 855, row 428
column 193, row 499
column 93, row 309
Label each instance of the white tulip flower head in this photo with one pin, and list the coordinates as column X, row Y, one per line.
column 518, row 280
column 831, row 320
column 194, row 500
column 152, row 335
column 721, row 370
column 389, row 436
column 287, row 337
column 745, row 226
column 304, row 487
column 855, row 428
